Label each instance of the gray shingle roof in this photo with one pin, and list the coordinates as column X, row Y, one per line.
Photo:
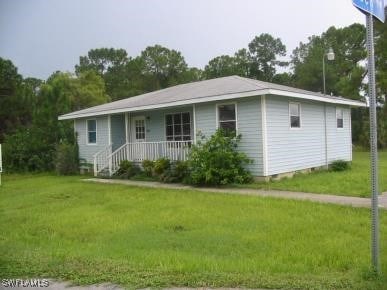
column 202, row 91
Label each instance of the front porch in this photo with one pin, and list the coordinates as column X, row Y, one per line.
column 109, row 162
column 138, row 136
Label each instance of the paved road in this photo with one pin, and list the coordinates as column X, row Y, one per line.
column 323, row 198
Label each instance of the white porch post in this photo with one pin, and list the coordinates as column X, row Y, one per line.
column 127, row 134
column 126, row 128
column 110, row 143
column 194, row 123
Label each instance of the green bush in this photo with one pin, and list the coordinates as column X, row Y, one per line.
column 339, row 165
column 217, row 161
column 24, row 150
column 148, row 166
column 161, row 166
column 127, row 169
column 66, row 160
column 178, row 172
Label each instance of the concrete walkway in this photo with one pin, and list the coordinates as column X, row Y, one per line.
column 322, row 198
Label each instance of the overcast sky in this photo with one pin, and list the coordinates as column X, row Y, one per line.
column 42, row 36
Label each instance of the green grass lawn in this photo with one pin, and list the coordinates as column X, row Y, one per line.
column 354, row 182
column 64, row 228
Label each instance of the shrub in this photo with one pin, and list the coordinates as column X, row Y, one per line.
column 147, row 166
column 25, row 151
column 66, row 160
column 161, row 165
column 178, row 172
column 127, row 169
column 217, row 161
column 339, row 165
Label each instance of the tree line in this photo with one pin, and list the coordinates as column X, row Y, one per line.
column 29, row 107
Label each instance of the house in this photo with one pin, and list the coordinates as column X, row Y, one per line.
column 283, row 129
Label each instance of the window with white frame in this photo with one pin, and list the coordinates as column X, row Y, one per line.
column 140, row 129
column 178, row 126
column 91, row 131
column 227, row 118
column 339, row 118
column 295, row 115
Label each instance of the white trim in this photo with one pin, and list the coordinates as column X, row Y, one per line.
column 87, row 132
column 264, row 136
column 326, row 136
column 289, row 116
column 174, row 113
column 140, row 117
column 216, row 98
column 109, row 130
column 342, row 114
column 126, row 128
column 194, row 122
column 130, row 127
column 335, row 100
column 236, row 114
column 350, row 131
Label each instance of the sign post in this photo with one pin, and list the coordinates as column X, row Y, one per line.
column 373, row 8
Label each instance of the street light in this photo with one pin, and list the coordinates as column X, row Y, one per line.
column 330, row 56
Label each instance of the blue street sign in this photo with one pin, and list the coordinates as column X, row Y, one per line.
column 374, row 7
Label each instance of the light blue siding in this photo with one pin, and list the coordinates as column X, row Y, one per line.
column 205, row 119
column 287, row 149
column 155, row 122
column 118, row 130
column 339, row 139
column 87, row 151
column 291, row 149
column 249, row 126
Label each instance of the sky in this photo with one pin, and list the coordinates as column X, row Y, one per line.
column 43, row 36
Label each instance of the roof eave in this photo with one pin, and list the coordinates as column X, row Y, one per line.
column 348, row 102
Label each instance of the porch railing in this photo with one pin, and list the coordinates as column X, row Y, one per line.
column 101, row 159
column 139, row 151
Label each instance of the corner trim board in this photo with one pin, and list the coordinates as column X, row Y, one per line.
column 264, row 136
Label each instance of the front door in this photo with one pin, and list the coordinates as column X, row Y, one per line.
column 139, row 130
column 137, row 150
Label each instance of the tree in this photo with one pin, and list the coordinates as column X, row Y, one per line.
column 111, row 65
column 16, row 98
column 220, row 66
column 101, row 59
column 163, row 66
column 264, row 51
column 381, row 78
column 258, row 62
column 345, row 74
column 33, row 147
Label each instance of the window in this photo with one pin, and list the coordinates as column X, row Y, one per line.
column 178, row 127
column 140, row 129
column 339, row 118
column 92, row 131
column 295, row 116
column 227, row 118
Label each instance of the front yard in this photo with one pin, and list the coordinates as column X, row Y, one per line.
column 354, row 182
column 64, row 228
